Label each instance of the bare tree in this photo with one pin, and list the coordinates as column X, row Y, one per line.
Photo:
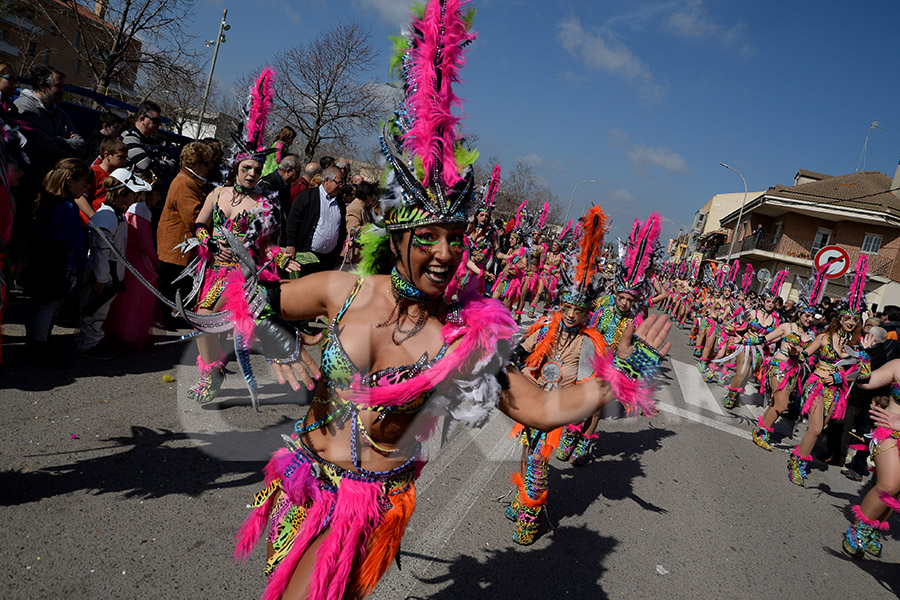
column 517, row 184
column 120, row 36
column 322, row 87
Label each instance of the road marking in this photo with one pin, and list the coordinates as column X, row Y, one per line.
column 691, row 416
column 440, row 530
column 694, row 390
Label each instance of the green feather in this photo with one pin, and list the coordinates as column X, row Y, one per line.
column 464, row 156
column 401, row 47
column 374, row 250
column 306, row 258
column 418, row 11
column 469, row 17
column 420, row 168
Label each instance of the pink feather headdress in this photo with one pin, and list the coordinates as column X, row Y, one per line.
column 633, row 273
column 856, row 296
column 251, row 143
column 490, row 194
column 748, row 279
column 774, row 288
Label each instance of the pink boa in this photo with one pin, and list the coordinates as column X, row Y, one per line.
column 233, row 294
column 632, row 394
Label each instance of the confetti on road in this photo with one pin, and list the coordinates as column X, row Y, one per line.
column 167, row 378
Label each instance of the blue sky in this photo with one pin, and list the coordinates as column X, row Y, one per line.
column 646, row 98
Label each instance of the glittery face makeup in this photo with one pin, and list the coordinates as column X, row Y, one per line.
column 249, row 172
column 572, row 315
column 433, row 256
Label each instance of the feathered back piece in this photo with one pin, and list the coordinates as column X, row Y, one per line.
column 733, row 272
column 695, row 269
column 855, row 302
column 633, row 275
column 748, row 279
column 429, row 177
column 249, row 141
column 682, row 268
column 490, row 192
column 813, row 290
column 720, row 277
column 773, row 290
column 583, row 285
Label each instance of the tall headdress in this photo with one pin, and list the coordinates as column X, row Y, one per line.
column 527, row 222
column 695, row 269
column 855, row 301
column 748, row 279
column 489, row 191
column 773, row 290
column 567, row 234
column 582, row 285
column 633, row 272
column 812, row 290
column 721, row 275
column 733, row 273
column 249, row 139
column 429, row 176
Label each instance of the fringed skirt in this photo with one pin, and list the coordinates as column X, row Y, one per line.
column 363, row 513
column 785, row 372
column 834, row 397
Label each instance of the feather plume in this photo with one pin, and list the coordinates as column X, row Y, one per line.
column 545, row 345
column 748, row 279
column 858, row 287
column 261, row 96
column 594, row 225
column 435, row 62
column 492, row 189
column 640, row 247
column 733, row 271
column 545, row 212
column 565, row 230
column 777, row 281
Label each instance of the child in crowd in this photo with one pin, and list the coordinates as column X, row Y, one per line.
column 104, row 278
column 133, row 311
column 113, row 155
column 58, row 253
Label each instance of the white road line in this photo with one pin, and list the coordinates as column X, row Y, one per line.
column 441, row 530
column 709, row 422
column 694, row 389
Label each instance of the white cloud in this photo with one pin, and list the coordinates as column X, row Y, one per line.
column 535, row 160
column 603, row 52
column 620, row 196
column 661, row 157
column 692, row 21
column 391, row 11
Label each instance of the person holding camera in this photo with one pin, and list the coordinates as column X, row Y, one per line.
column 317, row 221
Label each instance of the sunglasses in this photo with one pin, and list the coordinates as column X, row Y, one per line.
column 157, row 120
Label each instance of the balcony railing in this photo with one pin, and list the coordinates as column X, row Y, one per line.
column 800, row 249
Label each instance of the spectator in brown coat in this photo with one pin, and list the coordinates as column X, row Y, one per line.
column 359, row 214
column 183, row 203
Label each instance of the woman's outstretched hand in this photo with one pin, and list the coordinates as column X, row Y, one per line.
column 304, row 370
column 654, row 330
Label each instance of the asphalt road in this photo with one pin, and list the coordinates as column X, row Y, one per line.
column 113, row 485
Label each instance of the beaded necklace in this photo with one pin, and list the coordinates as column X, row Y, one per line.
column 405, row 293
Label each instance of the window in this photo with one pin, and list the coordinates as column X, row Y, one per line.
column 4, row 35
column 77, row 37
column 77, row 66
column 779, row 229
column 871, row 244
column 45, row 56
column 822, row 239
column 32, row 48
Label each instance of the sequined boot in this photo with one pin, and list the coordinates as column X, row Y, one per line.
column 797, row 467
column 732, row 398
column 567, row 442
column 864, row 535
column 212, row 376
column 762, row 434
column 512, row 511
column 532, row 499
column 583, row 448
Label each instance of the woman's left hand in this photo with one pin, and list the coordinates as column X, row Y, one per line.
column 305, row 369
column 883, row 418
column 293, row 266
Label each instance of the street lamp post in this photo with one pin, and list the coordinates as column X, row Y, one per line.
column 572, row 197
column 740, row 213
column 223, row 26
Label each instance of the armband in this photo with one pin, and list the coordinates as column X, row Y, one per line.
column 281, row 259
column 201, row 232
column 642, row 363
column 519, row 356
column 754, row 340
column 280, row 341
column 837, row 378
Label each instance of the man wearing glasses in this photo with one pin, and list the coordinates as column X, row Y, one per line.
column 145, row 153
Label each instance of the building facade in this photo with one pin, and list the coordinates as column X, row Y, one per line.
column 787, row 225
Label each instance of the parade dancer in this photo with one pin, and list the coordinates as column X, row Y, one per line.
column 871, row 515
column 482, row 237
column 536, row 251
column 783, row 372
column 614, row 318
column 558, row 351
column 839, row 359
column 719, row 323
column 245, row 214
column 338, row 499
column 751, row 350
column 509, row 282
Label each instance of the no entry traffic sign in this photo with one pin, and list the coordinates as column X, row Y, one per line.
column 836, row 258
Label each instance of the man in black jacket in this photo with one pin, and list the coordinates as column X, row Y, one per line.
column 316, row 222
column 279, row 182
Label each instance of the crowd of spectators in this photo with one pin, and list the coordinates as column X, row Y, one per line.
column 61, row 194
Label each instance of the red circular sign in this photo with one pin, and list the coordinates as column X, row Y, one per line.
column 836, row 258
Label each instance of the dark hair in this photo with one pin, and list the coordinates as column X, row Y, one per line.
column 326, row 161
column 42, row 76
column 145, row 108
column 893, row 315
column 111, row 145
column 108, row 118
column 286, row 133
column 366, row 190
